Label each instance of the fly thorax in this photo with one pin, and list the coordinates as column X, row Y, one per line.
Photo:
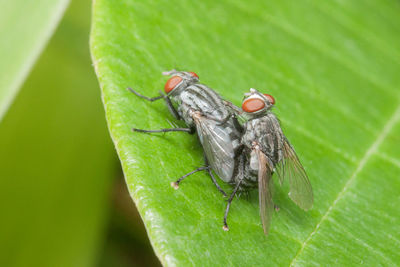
column 205, row 100
column 186, row 113
column 248, row 135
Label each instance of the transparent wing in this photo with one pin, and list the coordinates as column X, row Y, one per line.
column 265, row 191
column 218, row 147
column 290, row 168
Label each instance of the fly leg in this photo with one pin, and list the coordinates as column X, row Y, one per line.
column 170, row 108
column 235, row 112
column 220, row 121
column 151, row 99
column 216, row 183
column 225, row 227
column 232, row 107
column 223, row 121
column 226, row 119
column 213, row 178
column 205, row 168
column 176, row 183
column 187, row 130
column 239, row 182
column 168, row 102
column 208, row 169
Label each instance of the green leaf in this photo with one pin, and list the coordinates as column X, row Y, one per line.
column 25, row 28
column 333, row 68
column 57, row 161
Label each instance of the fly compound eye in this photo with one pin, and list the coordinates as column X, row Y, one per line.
column 270, row 98
column 194, row 74
column 253, row 105
column 172, row 83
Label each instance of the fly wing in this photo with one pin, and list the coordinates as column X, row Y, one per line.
column 290, row 168
column 218, row 147
column 265, row 190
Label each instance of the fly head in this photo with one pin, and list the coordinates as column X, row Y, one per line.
column 255, row 103
column 179, row 81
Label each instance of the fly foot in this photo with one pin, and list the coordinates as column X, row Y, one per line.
column 175, row 185
column 226, row 228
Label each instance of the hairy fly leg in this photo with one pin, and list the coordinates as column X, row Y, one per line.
column 223, row 121
column 176, row 183
column 225, row 227
column 151, row 99
column 205, row 168
column 235, row 190
column 168, row 102
column 170, row 108
column 232, row 107
column 213, row 177
column 186, row 130
column 231, row 115
column 215, row 182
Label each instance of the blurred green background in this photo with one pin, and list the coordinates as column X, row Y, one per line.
column 63, row 200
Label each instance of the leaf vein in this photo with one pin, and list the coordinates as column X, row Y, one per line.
column 362, row 242
column 389, row 159
column 371, row 150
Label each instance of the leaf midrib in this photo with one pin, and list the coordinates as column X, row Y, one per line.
column 391, row 122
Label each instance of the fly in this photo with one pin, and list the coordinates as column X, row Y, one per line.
column 266, row 150
column 204, row 111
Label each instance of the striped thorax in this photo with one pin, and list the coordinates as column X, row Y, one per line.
column 201, row 107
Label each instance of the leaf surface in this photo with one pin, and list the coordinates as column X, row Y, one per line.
column 332, row 67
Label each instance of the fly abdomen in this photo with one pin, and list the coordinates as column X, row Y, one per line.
column 266, row 132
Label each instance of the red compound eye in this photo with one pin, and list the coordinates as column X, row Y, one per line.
column 252, row 105
column 172, row 83
column 194, row 74
column 271, row 98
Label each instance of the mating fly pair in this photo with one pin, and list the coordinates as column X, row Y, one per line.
column 245, row 155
